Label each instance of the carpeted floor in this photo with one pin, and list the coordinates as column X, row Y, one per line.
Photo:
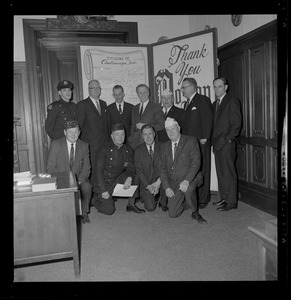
column 155, row 247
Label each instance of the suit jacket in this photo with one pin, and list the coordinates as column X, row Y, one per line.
column 175, row 113
column 58, row 159
column 198, row 118
column 94, row 127
column 186, row 164
column 227, row 121
column 152, row 115
column 146, row 168
column 115, row 117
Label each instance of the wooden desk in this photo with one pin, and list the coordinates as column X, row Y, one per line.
column 267, row 247
column 45, row 226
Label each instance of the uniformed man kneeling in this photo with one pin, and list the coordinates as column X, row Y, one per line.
column 114, row 165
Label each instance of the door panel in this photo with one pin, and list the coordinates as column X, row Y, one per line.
column 21, row 110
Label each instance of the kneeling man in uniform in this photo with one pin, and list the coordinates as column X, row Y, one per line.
column 114, row 165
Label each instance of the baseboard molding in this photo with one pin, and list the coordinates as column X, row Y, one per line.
column 259, row 197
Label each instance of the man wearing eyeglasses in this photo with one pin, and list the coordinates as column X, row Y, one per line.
column 198, row 122
column 91, row 114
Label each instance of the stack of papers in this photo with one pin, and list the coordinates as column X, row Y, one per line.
column 23, row 178
column 44, row 184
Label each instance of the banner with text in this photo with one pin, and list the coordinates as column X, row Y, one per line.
column 187, row 56
column 111, row 65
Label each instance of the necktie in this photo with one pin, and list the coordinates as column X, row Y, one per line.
column 165, row 110
column 151, row 153
column 72, row 156
column 217, row 104
column 187, row 103
column 175, row 149
column 98, row 107
column 120, row 111
column 141, row 110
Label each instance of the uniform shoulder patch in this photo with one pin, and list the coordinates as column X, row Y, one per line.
column 50, row 107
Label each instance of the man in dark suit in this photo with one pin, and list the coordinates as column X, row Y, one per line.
column 227, row 125
column 146, row 112
column 91, row 114
column 179, row 171
column 171, row 111
column 71, row 154
column 120, row 111
column 114, row 165
column 198, row 122
column 146, row 160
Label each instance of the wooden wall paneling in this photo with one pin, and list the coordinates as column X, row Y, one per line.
column 257, row 91
column 259, row 165
column 241, row 162
column 22, row 110
column 273, row 89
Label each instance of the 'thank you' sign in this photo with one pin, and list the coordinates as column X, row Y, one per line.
column 192, row 55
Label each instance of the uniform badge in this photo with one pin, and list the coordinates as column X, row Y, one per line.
column 50, row 107
column 126, row 164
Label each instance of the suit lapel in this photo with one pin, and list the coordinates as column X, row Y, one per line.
column 92, row 106
column 179, row 147
column 65, row 148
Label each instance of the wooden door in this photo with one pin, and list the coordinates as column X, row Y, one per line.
column 250, row 65
column 24, row 151
column 51, row 55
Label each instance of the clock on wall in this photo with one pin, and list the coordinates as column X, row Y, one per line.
column 236, row 19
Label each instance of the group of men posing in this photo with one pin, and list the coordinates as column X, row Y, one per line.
column 163, row 149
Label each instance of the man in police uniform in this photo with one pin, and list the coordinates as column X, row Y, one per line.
column 60, row 111
column 114, row 165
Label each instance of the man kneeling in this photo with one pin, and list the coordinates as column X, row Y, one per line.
column 114, row 165
column 179, row 171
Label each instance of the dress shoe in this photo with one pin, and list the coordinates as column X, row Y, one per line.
column 202, row 205
column 85, row 219
column 196, row 216
column 227, row 207
column 219, row 203
column 164, row 207
column 133, row 208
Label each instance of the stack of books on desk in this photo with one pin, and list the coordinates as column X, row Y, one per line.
column 23, row 178
column 44, row 184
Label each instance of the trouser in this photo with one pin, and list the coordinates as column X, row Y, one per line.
column 226, row 172
column 107, row 206
column 150, row 201
column 204, row 189
column 86, row 193
column 182, row 201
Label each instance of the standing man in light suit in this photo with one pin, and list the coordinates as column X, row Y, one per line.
column 179, row 171
column 198, row 122
column 91, row 114
column 227, row 125
column 71, row 154
column 146, row 112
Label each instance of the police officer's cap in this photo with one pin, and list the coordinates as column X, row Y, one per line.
column 71, row 124
column 65, row 84
column 116, row 127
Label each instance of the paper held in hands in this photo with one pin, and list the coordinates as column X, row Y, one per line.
column 119, row 191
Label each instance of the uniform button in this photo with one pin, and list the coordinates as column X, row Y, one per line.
column 65, row 119
column 111, row 150
column 110, row 158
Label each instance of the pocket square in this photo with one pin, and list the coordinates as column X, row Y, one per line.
column 194, row 107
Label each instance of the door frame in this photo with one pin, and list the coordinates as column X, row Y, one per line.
column 35, row 29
